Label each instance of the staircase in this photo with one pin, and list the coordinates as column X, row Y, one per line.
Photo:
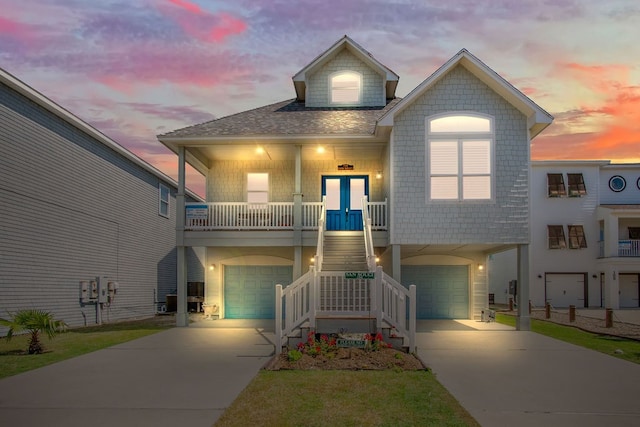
column 344, row 251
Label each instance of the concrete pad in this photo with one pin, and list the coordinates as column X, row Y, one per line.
column 182, row 376
column 522, row 378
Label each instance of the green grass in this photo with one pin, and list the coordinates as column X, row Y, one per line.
column 75, row 342
column 602, row 343
column 345, row 398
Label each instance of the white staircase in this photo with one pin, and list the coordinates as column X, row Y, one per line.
column 344, row 251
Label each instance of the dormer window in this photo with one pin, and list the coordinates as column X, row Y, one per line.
column 346, row 88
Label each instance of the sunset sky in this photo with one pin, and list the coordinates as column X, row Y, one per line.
column 138, row 68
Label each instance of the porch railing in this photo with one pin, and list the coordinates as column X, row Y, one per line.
column 626, row 248
column 368, row 238
column 332, row 294
column 267, row 216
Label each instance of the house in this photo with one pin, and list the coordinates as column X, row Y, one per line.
column 585, row 245
column 77, row 207
column 346, row 177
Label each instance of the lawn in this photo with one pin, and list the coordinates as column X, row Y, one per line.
column 75, row 342
column 602, row 343
column 345, row 398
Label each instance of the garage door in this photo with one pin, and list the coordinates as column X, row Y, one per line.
column 563, row 290
column 629, row 291
column 442, row 291
column 249, row 291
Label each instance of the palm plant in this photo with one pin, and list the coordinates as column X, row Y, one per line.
column 34, row 321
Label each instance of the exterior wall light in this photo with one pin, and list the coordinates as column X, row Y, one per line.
column 480, row 267
column 379, row 175
column 212, row 267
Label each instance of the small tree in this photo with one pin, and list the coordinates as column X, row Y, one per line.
column 34, row 321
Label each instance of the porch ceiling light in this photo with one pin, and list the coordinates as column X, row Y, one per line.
column 320, row 149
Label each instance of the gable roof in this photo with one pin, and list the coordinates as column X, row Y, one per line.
column 537, row 118
column 390, row 78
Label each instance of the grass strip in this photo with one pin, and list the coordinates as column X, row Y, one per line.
column 345, row 398
column 614, row 346
column 75, row 342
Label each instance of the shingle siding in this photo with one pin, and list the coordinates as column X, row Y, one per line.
column 318, row 84
column 73, row 209
column 417, row 220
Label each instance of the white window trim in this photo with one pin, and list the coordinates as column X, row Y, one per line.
column 460, row 136
column 360, row 89
column 167, row 202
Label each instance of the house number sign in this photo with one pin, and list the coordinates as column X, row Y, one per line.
column 360, row 275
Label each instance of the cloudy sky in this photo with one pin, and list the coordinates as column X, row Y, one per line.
column 138, row 68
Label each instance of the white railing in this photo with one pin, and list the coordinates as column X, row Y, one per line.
column 321, row 229
column 397, row 306
column 297, row 303
column 339, row 296
column 629, row 248
column 626, row 248
column 368, row 237
column 268, row 216
column 332, row 294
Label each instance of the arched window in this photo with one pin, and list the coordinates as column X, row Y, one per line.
column 346, row 87
column 460, row 157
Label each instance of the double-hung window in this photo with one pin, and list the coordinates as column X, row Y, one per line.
column 555, row 185
column 163, row 200
column 460, row 157
column 556, row 237
column 576, row 185
column 577, row 240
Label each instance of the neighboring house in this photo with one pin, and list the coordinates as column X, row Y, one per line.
column 444, row 173
column 74, row 206
column 585, row 246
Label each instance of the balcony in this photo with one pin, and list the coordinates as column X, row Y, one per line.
column 269, row 216
column 626, row 248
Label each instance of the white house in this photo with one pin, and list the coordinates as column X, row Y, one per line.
column 443, row 174
column 585, row 245
column 77, row 206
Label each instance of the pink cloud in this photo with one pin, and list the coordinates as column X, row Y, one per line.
column 17, row 32
column 202, row 25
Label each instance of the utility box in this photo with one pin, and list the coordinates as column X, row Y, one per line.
column 84, row 291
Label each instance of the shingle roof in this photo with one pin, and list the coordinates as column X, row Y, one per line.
column 289, row 118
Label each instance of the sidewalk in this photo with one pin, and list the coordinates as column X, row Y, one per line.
column 182, row 376
column 515, row 378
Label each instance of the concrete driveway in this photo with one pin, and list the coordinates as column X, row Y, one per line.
column 505, row 377
column 178, row 377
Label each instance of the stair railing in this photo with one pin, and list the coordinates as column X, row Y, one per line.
column 397, row 306
column 368, row 236
column 297, row 303
column 322, row 226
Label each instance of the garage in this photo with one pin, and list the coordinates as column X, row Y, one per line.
column 442, row 291
column 629, row 291
column 565, row 289
column 249, row 291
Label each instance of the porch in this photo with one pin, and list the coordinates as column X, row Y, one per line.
column 626, row 248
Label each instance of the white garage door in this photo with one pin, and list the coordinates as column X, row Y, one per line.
column 629, row 291
column 565, row 289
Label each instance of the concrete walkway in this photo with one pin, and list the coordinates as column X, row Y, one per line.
column 505, row 377
column 178, row 377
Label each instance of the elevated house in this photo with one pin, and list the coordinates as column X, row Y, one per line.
column 87, row 229
column 347, row 195
column 585, row 226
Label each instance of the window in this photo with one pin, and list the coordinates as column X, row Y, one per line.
column 555, row 184
column 345, row 87
column 258, row 188
column 460, row 157
column 576, row 185
column 163, row 206
column 556, row 237
column 617, row 183
column 634, row 233
column 576, row 237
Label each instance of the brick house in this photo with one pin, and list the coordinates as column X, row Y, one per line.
column 348, row 178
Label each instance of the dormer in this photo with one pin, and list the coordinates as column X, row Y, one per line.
column 345, row 75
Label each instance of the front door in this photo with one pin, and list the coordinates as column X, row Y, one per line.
column 344, row 201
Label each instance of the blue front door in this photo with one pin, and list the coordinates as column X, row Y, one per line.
column 344, row 201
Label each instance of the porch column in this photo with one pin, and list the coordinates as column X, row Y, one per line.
column 396, row 263
column 523, row 320
column 182, row 316
column 297, row 215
